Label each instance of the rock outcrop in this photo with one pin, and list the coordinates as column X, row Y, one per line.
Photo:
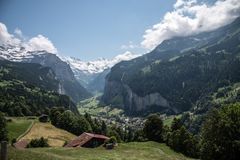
column 121, row 95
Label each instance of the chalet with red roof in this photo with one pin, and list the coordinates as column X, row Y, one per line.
column 21, row 144
column 88, row 140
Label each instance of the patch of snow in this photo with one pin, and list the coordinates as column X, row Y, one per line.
column 99, row 65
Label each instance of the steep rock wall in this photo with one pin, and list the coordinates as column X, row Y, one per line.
column 120, row 95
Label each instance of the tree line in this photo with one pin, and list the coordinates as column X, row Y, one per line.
column 77, row 124
column 219, row 137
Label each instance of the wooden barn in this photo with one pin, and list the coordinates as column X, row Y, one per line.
column 88, row 140
column 21, row 144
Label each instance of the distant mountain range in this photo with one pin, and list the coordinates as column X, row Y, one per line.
column 70, row 71
column 99, row 65
column 180, row 74
column 92, row 74
column 68, row 84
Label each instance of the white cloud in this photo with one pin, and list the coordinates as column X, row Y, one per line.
column 190, row 17
column 125, row 56
column 6, row 38
column 40, row 43
column 18, row 32
column 37, row 43
column 130, row 45
column 181, row 3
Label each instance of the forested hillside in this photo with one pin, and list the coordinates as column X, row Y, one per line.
column 178, row 74
column 29, row 89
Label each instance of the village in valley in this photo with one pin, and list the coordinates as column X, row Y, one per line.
column 120, row 80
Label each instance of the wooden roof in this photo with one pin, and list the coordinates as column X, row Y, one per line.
column 84, row 138
column 21, row 144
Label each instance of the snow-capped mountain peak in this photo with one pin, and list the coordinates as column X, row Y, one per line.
column 99, row 65
column 18, row 52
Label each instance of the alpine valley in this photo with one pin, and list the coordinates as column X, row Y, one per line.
column 166, row 86
column 181, row 74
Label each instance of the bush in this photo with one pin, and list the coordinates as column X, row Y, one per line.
column 110, row 143
column 14, row 140
column 114, row 133
column 43, row 118
column 139, row 136
column 113, row 140
column 42, row 142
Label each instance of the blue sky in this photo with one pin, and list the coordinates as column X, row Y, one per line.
column 86, row 29
column 89, row 29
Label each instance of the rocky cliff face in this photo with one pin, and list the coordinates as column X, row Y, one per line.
column 91, row 74
column 121, row 95
column 177, row 73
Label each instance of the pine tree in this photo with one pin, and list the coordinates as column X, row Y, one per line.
column 153, row 128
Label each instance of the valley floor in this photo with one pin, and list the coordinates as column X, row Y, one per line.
column 125, row 151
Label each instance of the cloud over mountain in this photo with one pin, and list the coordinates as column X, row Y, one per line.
column 7, row 38
column 190, row 17
column 34, row 44
column 41, row 43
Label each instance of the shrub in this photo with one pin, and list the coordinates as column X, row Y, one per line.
column 110, row 143
column 43, row 118
column 42, row 142
column 113, row 140
column 14, row 140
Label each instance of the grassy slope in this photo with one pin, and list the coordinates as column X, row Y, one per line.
column 17, row 127
column 91, row 106
column 125, row 151
column 56, row 137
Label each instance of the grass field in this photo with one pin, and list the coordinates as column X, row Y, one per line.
column 92, row 107
column 125, row 151
column 17, row 127
column 56, row 137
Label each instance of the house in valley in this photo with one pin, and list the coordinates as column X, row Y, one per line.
column 88, row 140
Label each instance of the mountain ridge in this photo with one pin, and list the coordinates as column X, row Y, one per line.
column 92, row 74
column 173, row 70
column 64, row 74
column 30, row 89
column 99, row 65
